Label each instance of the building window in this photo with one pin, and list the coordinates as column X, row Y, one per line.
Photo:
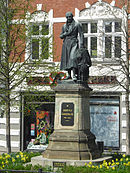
column 103, row 38
column 39, row 41
column 90, row 38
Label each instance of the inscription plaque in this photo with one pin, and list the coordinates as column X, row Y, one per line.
column 59, row 164
column 67, row 114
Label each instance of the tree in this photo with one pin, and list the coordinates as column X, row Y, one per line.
column 14, row 68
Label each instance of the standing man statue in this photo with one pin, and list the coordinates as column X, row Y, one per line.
column 69, row 34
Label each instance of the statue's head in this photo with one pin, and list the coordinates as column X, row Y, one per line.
column 69, row 17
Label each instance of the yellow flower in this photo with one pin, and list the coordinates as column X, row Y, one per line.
column 117, row 160
column 124, row 155
column 2, row 163
column 113, row 168
column 115, row 153
column 86, row 164
column 121, row 159
column 8, row 156
column 100, row 166
column 124, row 164
column 107, row 167
column 128, row 164
column 6, row 162
column 3, row 166
column 117, row 163
column 93, row 166
column 3, row 158
column 90, row 163
column 112, row 161
column 13, row 160
column 23, row 159
column 17, row 156
column 105, row 164
column 89, row 166
column 127, row 159
column 109, row 163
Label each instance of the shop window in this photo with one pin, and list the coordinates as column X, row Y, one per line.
column 104, row 114
column 38, row 121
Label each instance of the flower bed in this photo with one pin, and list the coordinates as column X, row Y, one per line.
column 16, row 161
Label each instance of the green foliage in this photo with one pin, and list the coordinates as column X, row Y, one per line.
column 16, row 161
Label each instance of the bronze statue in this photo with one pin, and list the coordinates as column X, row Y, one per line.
column 83, row 64
column 69, row 33
column 74, row 56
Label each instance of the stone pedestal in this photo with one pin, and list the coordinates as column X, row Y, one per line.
column 72, row 138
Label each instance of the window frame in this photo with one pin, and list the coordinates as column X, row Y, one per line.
column 100, row 35
column 36, row 18
column 38, row 37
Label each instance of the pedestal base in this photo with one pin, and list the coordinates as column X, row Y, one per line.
column 78, row 145
column 60, row 163
column 72, row 138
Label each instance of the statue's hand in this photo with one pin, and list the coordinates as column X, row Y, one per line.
column 66, row 33
column 63, row 35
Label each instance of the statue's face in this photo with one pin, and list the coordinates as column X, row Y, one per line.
column 69, row 17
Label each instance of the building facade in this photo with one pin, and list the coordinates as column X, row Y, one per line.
column 104, row 26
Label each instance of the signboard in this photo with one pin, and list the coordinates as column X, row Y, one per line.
column 105, row 124
column 67, row 114
column 59, row 164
